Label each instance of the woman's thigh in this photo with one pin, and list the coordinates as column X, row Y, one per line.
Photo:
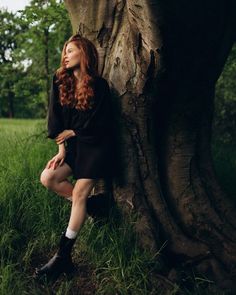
column 59, row 174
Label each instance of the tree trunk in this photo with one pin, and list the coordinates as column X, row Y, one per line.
column 162, row 61
column 46, row 63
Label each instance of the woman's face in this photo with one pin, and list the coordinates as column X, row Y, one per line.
column 72, row 55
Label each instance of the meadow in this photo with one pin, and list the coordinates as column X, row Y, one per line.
column 32, row 218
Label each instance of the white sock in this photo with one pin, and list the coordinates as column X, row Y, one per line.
column 71, row 234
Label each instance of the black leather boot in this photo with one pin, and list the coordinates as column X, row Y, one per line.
column 60, row 263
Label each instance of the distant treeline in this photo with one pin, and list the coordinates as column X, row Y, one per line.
column 31, row 44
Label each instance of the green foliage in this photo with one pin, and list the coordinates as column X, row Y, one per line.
column 31, row 43
column 224, row 126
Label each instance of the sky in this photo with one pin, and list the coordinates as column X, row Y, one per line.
column 15, row 5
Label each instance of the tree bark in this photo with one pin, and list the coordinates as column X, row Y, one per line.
column 162, row 61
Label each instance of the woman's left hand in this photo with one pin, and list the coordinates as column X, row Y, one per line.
column 64, row 135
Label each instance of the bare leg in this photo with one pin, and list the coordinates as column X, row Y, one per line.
column 80, row 194
column 56, row 180
column 62, row 260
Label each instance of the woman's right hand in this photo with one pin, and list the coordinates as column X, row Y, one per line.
column 58, row 159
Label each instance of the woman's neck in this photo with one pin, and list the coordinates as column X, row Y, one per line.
column 77, row 74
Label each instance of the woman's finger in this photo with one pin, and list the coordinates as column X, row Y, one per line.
column 54, row 166
column 61, row 162
column 60, row 141
column 48, row 164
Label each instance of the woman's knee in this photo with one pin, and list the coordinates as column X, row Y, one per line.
column 82, row 190
column 47, row 178
column 79, row 194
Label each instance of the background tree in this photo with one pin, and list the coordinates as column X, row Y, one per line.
column 9, row 29
column 225, row 102
column 32, row 41
column 163, row 60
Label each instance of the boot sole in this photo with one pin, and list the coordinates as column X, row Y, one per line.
column 69, row 272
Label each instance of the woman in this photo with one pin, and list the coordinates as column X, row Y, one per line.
column 80, row 121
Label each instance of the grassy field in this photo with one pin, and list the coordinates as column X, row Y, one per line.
column 33, row 217
column 225, row 165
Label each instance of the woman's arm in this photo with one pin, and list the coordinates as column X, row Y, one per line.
column 64, row 135
column 59, row 158
column 55, row 117
column 61, row 148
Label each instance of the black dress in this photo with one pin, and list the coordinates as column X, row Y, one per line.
column 90, row 153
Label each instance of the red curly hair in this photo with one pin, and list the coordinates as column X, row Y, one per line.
column 82, row 98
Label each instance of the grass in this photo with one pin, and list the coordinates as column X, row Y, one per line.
column 32, row 217
column 224, row 156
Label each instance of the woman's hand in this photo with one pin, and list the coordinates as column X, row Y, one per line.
column 61, row 137
column 58, row 159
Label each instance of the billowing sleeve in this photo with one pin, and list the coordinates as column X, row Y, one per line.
column 55, row 123
column 99, row 122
